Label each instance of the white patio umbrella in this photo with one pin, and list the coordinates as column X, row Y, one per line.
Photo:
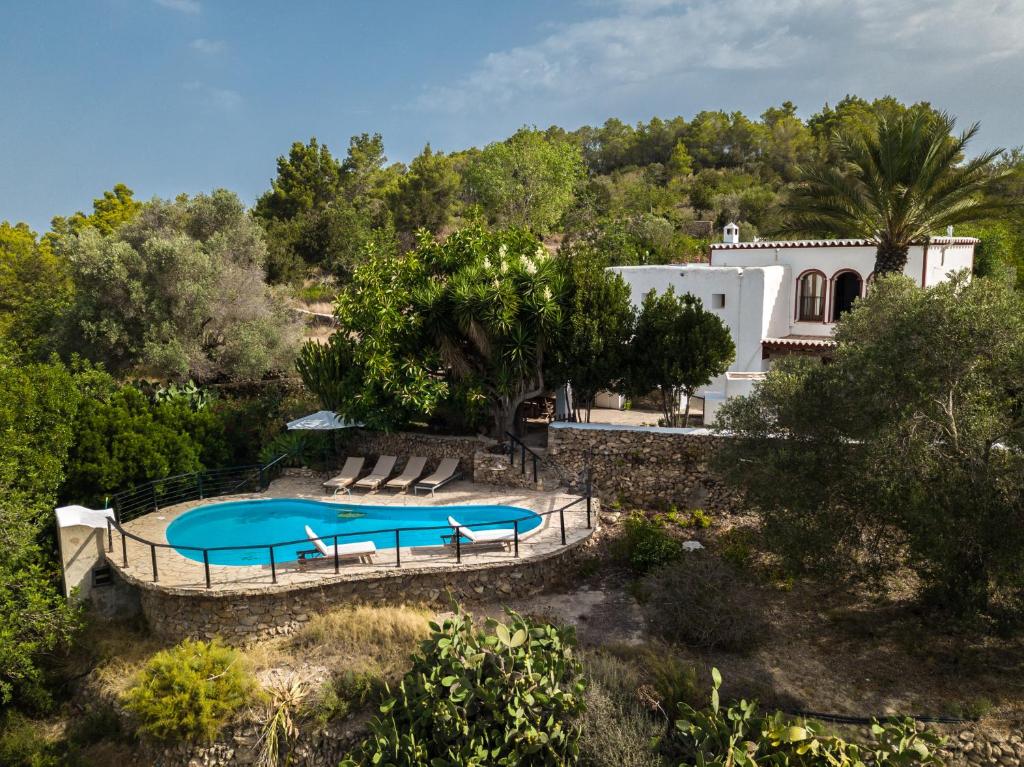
column 322, row 420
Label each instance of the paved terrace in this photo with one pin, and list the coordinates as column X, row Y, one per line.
column 180, row 574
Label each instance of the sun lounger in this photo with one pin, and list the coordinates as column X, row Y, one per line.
column 360, row 550
column 349, row 474
column 503, row 536
column 413, row 470
column 447, row 471
column 379, row 475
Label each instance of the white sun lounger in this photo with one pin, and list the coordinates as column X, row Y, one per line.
column 360, row 550
column 379, row 475
column 447, row 471
column 503, row 536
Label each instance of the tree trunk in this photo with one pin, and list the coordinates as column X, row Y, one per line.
column 890, row 258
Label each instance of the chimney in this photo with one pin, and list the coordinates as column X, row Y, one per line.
column 731, row 234
column 949, row 230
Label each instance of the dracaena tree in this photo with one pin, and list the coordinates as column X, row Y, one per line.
column 898, row 181
column 492, row 309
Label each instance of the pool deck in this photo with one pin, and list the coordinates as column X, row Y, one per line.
column 179, row 574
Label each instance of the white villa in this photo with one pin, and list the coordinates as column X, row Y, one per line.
column 784, row 297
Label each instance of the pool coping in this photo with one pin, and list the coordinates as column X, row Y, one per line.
column 153, row 527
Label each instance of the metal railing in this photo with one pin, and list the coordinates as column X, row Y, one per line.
column 517, row 445
column 181, row 488
column 262, row 473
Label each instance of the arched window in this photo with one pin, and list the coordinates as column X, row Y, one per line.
column 846, row 288
column 810, row 297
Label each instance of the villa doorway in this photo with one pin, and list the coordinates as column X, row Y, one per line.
column 844, row 292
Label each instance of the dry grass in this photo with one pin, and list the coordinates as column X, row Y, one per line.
column 382, row 633
column 360, row 638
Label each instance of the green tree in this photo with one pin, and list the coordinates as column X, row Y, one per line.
column 363, row 168
column 592, row 352
column 898, row 182
column 37, row 410
column 308, row 179
column 527, row 180
column 425, row 195
column 677, row 347
column 116, row 207
column 123, row 439
column 905, row 452
column 179, row 293
column 35, row 291
column 375, row 368
column 320, row 212
column 492, row 307
column 471, row 318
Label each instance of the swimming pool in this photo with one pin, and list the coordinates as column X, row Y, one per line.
column 270, row 520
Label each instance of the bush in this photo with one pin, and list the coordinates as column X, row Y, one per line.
column 190, row 691
column 345, row 694
column 703, row 601
column 510, row 695
column 28, row 743
column 618, row 730
column 738, row 734
column 645, row 544
column 696, row 518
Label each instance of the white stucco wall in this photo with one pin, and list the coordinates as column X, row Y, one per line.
column 751, row 300
column 760, row 288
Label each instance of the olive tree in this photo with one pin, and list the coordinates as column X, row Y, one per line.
column 178, row 292
column 528, row 180
column 905, row 452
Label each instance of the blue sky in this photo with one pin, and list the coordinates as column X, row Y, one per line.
column 174, row 96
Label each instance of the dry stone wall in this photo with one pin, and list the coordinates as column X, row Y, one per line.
column 644, row 465
column 495, row 469
column 245, row 616
column 405, row 443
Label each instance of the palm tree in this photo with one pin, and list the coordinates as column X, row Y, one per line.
column 897, row 184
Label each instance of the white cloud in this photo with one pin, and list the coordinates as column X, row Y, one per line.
column 207, row 47
column 629, row 43
column 223, row 99
column 183, row 6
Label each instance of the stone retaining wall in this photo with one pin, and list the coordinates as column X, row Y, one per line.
column 244, row 616
column 238, row 744
column 644, row 465
column 406, row 443
column 495, row 469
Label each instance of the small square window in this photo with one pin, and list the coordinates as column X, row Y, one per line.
column 718, row 300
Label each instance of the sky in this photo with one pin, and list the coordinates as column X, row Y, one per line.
column 172, row 96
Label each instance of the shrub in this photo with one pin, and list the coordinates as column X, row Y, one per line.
column 739, row 734
column 696, row 518
column 645, row 544
column 345, row 694
column 285, row 698
column 736, row 547
column 507, row 696
column 189, row 691
column 618, row 730
column 703, row 601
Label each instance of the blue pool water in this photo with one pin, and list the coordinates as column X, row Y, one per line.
column 273, row 520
